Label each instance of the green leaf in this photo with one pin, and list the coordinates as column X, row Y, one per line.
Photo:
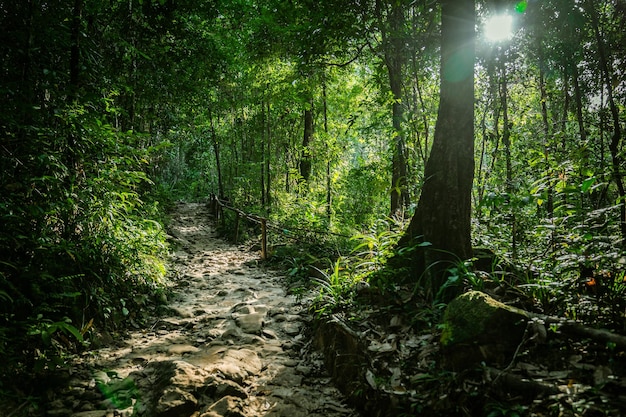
column 75, row 332
column 586, row 185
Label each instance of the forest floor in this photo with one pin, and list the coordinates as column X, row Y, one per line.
column 232, row 342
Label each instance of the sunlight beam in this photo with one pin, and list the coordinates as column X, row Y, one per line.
column 499, row 28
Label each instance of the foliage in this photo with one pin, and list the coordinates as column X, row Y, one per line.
column 113, row 110
column 81, row 245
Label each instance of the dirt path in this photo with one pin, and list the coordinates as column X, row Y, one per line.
column 234, row 343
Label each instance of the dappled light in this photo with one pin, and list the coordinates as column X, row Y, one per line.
column 330, row 208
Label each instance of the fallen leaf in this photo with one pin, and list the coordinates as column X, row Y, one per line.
column 371, row 379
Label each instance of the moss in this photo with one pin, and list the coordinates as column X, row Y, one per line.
column 473, row 315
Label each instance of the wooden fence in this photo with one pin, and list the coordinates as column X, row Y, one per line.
column 217, row 208
column 218, row 205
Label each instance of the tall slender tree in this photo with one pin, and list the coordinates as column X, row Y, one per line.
column 393, row 45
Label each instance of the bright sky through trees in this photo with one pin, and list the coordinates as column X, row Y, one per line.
column 499, row 28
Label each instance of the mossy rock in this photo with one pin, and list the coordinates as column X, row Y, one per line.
column 478, row 329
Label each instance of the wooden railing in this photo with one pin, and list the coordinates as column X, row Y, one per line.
column 218, row 205
column 217, row 208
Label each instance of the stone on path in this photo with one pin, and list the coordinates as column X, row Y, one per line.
column 251, row 323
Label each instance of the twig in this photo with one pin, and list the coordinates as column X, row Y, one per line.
column 14, row 412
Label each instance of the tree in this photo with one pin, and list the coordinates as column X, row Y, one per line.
column 443, row 214
column 393, row 41
column 616, row 137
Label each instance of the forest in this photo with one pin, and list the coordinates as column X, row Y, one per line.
column 408, row 150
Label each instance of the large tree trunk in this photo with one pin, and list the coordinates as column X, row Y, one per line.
column 443, row 214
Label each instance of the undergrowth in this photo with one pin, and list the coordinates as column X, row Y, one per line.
column 82, row 247
column 340, row 268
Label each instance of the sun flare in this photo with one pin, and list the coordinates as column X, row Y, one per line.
column 499, row 28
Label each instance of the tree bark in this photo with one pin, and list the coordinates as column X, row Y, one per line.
column 443, row 214
column 393, row 44
column 328, row 160
column 506, row 141
column 546, row 131
column 305, row 158
column 268, row 160
column 616, row 138
column 216, row 150
column 263, row 204
column 75, row 47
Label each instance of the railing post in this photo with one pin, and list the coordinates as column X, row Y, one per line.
column 236, row 226
column 212, row 205
column 263, row 238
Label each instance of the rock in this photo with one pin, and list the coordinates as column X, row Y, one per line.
column 188, row 376
column 288, row 378
column 235, row 364
column 229, row 388
column 176, row 403
column 251, row 323
column 303, row 370
column 95, row 413
column 101, row 377
column 226, row 407
column 478, row 329
column 270, row 333
column 86, row 407
column 169, row 388
column 292, row 328
column 181, row 349
column 286, row 409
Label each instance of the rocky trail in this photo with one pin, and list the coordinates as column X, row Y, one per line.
column 232, row 343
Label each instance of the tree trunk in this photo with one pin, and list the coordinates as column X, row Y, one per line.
column 216, row 150
column 268, row 198
column 549, row 206
column 305, row 158
column 566, row 105
column 547, row 133
column 616, row 138
column 263, row 155
column 328, row 158
column 421, row 147
column 72, row 154
column 75, row 47
column 578, row 97
column 395, row 60
column 506, row 141
column 443, row 214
